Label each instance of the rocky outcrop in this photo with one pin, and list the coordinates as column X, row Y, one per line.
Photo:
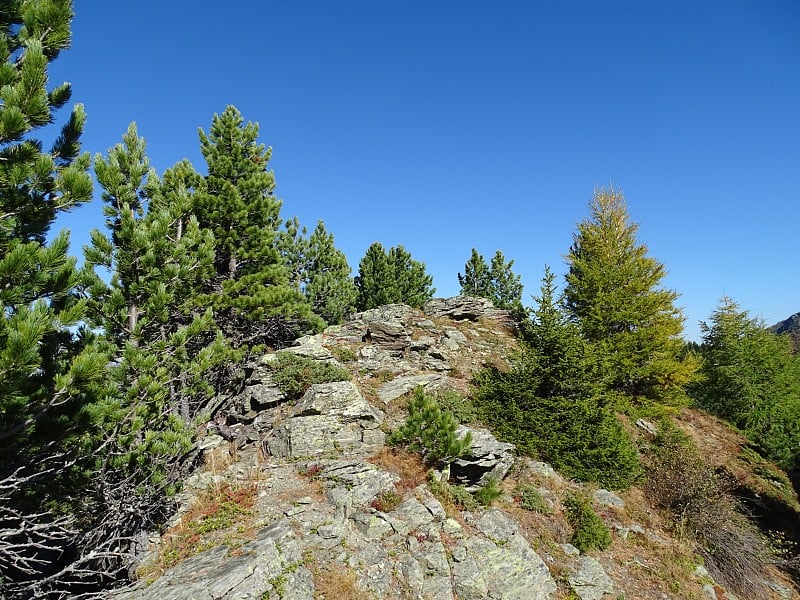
column 462, row 308
column 590, row 581
column 486, row 459
column 331, row 418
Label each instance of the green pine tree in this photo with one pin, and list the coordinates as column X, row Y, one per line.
column 497, row 282
column 50, row 369
column 328, row 286
column 164, row 346
column 477, row 279
column 253, row 298
column 548, row 402
column 391, row 277
column 614, row 293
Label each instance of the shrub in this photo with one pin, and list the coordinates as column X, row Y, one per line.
column 462, row 409
column 430, row 431
column 451, row 495
column 530, row 498
column 489, row 492
column 386, row 501
column 706, row 513
column 294, row 374
column 589, row 531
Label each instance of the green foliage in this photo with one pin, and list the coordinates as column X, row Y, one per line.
column 237, row 204
column 613, row 292
column 489, row 492
column 386, row 501
column 391, row 277
column 320, row 271
column 751, row 377
column 531, row 499
column 51, row 367
column 163, row 346
column 547, row 403
column 589, row 530
column 497, row 282
column 295, row 374
column 462, row 409
column 430, row 431
column 452, row 495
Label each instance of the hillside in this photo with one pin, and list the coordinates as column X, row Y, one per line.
column 303, row 498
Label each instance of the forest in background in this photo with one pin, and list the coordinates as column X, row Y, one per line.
column 108, row 368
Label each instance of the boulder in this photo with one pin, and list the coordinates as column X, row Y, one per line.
column 590, row 581
column 395, row 388
column 461, row 308
column 486, row 458
column 329, row 419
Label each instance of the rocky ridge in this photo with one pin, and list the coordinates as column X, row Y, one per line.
column 331, row 513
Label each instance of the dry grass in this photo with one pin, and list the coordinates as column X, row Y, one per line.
column 222, row 515
column 408, row 466
column 333, row 581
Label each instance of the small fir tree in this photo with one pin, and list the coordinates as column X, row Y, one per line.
column 497, row 282
column 613, row 292
column 477, row 279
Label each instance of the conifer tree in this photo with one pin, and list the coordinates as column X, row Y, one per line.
column 47, row 372
column 163, row 345
column 251, row 293
column 497, row 282
column 614, row 293
column 751, row 377
column 328, row 286
column 476, row 280
column 391, row 277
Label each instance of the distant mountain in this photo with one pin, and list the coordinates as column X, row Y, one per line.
column 790, row 325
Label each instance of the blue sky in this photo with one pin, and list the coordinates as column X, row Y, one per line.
column 449, row 125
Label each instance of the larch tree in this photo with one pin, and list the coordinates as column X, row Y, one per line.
column 253, row 298
column 614, row 292
column 49, row 370
column 391, row 277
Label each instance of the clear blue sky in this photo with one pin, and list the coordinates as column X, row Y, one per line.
column 449, row 125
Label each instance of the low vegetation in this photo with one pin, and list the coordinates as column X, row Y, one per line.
column 589, row 530
column 295, row 374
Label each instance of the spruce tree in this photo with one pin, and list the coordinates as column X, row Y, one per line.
column 50, row 369
column 391, row 277
column 251, row 293
column 614, row 293
column 751, row 377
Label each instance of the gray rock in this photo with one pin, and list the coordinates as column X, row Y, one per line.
column 273, row 557
column 647, row 426
column 460, row 308
column 781, row 590
column 606, row 498
column 310, row 346
column 497, row 526
column 709, row 592
column 486, row 458
column 509, row 571
column 329, row 419
column 392, row 390
column 590, row 581
column 354, row 483
column 570, row 550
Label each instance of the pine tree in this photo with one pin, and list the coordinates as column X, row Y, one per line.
column 49, row 368
column 328, row 286
column 751, row 377
column 253, row 299
column 506, row 285
column 476, row 280
column 497, row 282
column 163, row 345
column 391, row 277
column 613, row 292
